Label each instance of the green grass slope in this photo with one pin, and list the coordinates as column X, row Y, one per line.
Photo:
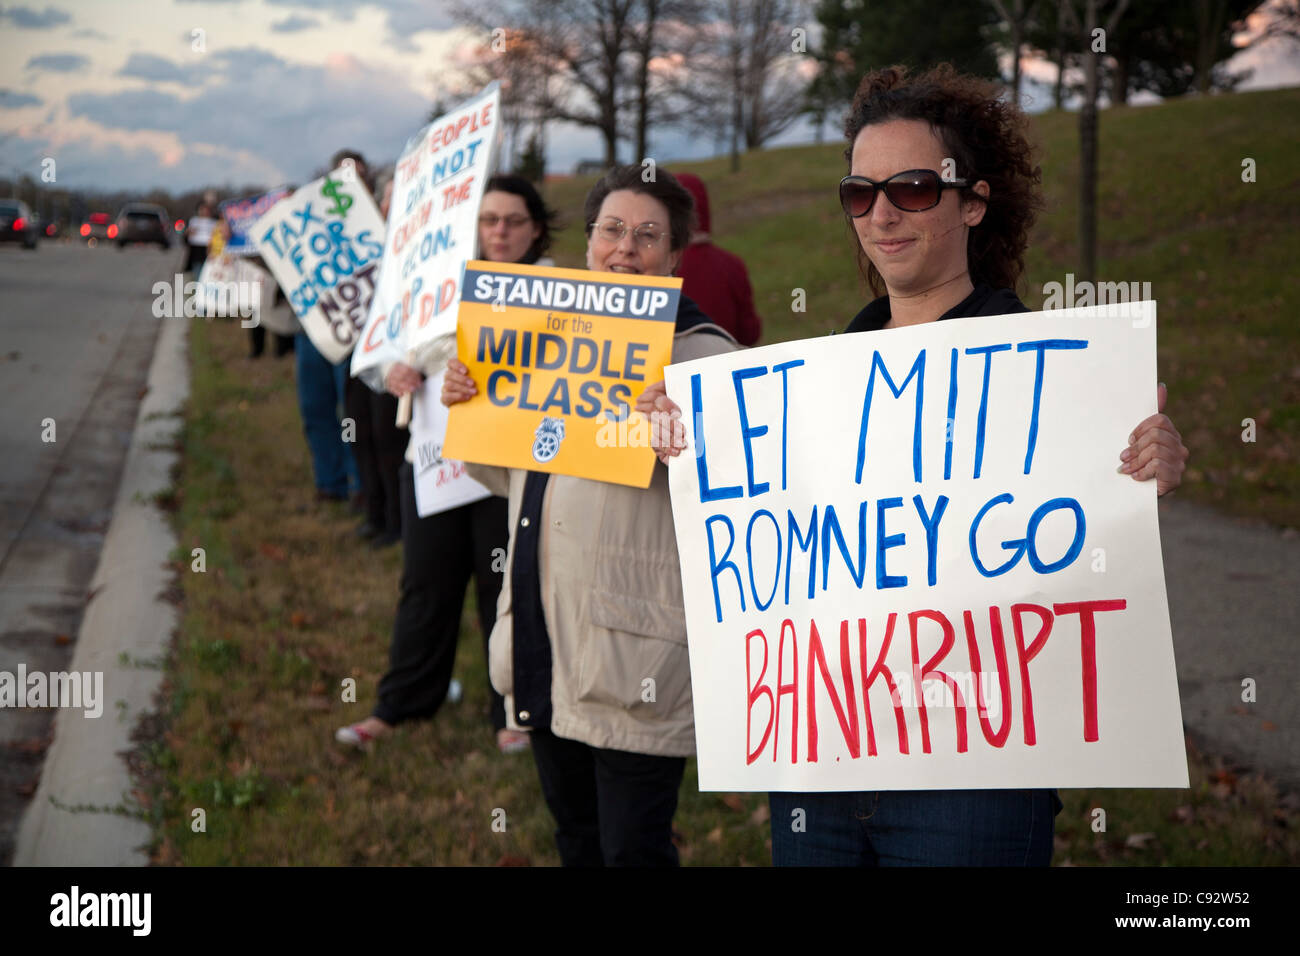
column 1219, row 253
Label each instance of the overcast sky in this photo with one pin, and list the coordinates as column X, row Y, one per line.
column 133, row 94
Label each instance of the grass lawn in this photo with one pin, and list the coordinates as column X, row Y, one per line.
column 291, row 606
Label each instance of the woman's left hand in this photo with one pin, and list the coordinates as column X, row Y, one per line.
column 1156, row 450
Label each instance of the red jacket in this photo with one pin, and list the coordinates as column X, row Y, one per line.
column 716, row 279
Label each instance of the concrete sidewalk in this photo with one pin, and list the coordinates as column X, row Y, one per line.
column 1234, row 602
column 79, row 814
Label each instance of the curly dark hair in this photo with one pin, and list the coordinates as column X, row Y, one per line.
column 662, row 186
column 986, row 135
column 537, row 210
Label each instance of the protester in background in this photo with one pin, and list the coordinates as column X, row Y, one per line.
column 380, row 442
column 442, row 551
column 198, row 235
column 933, row 250
column 715, row 279
column 275, row 316
column 592, row 601
column 322, row 387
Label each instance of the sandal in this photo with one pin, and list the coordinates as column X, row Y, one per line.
column 357, row 736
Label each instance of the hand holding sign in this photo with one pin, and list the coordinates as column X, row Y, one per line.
column 1156, row 450
column 457, row 385
column 667, row 430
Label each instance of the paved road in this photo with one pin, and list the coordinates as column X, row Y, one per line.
column 77, row 337
column 1234, row 602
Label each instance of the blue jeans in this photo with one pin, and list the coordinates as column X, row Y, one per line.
column 914, row 828
column 321, row 386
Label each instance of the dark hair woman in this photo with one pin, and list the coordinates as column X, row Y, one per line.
column 441, row 552
column 941, row 193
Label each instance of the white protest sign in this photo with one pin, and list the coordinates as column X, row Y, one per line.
column 323, row 244
column 909, row 562
column 432, row 232
column 231, row 286
column 440, row 483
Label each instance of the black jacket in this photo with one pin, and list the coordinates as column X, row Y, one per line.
column 984, row 300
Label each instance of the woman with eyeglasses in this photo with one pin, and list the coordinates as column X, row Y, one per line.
column 941, row 194
column 590, row 640
column 442, row 551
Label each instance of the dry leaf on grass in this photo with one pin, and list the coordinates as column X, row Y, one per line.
column 1138, row 841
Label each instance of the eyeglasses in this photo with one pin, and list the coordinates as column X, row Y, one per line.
column 611, row 230
column 913, row 190
column 490, row 220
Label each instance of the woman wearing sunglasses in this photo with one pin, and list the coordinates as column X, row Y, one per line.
column 941, row 193
column 591, row 607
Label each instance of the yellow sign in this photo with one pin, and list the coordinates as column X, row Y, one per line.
column 218, row 240
column 559, row 357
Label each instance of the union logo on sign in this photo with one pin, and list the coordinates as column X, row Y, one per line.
column 549, row 434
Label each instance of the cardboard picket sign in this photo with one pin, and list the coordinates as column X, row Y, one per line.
column 909, row 563
column 440, row 483
column 323, row 244
column 559, row 357
column 432, row 232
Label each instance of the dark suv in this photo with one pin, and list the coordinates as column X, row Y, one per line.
column 17, row 224
column 143, row 222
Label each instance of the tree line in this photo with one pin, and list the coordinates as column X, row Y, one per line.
column 743, row 71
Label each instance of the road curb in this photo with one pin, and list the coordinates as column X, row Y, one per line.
column 82, row 813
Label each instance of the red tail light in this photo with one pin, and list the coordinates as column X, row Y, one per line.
column 85, row 228
column 112, row 231
column 19, row 223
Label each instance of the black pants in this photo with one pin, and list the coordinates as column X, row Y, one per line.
column 257, row 343
column 379, row 447
column 195, row 256
column 439, row 554
column 611, row 807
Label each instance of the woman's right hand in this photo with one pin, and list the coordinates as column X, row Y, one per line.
column 667, row 432
column 457, row 386
column 402, row 379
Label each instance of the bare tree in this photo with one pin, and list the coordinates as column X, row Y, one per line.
column 515, row 47
column 1094, row 44
column 737, row 72
column 1015, row 14
column 578, row 48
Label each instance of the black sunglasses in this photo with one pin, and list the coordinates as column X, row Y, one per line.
column 913, row 190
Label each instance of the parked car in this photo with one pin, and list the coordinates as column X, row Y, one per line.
column 143, row 222
column 98, row 226
column 17, row 224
